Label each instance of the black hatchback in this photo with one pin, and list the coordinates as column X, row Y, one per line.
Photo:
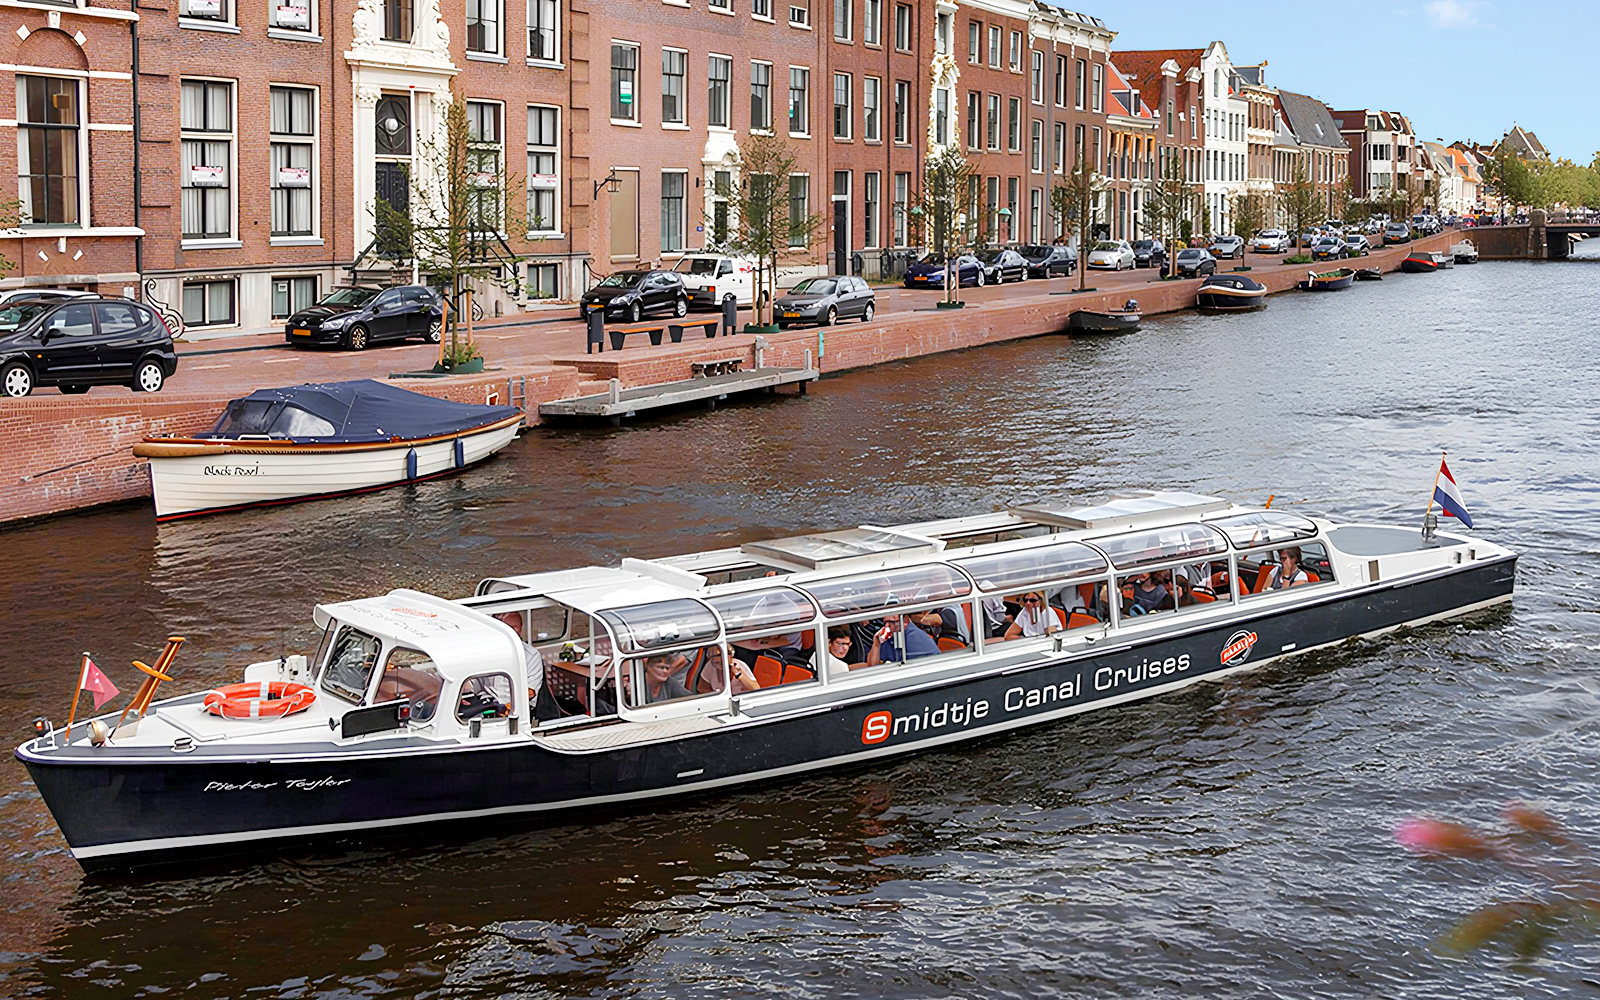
column 629, row 295
column 354, row 316
column 80, row 342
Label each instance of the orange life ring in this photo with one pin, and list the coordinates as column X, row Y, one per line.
column 259, row 700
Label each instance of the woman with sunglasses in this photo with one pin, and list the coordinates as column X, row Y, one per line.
column 1035, row 619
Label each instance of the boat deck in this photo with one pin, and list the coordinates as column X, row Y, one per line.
column 618, row 403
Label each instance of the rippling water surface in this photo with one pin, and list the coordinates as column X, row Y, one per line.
column 1233, row 839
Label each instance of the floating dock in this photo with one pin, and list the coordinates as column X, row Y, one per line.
column 617, row 403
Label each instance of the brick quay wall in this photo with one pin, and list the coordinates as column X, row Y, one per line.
column 69, row 452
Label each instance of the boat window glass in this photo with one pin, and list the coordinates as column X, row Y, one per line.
column 1178, row 541
column 410, row 674
column 1201, row 584
column 350, row 664
column 1146, row 592
column 1263, row 527
column 908, row 585
column 764, row 663
column 1261, row 569
column 990, row 537
column 295, row 422
column 737, row 573
column 759, row 609
column 897, row 636
column 247, row 416
column 1009, row 572
column 485, row 696
column 664, row 677
column 665, row 623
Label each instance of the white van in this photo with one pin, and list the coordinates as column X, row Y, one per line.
column 710, row 278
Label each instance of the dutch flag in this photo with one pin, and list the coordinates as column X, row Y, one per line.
column 1448, row 496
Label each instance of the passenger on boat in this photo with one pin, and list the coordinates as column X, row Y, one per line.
column 1149, row 594
column 836, row 654
column 913, row 642
column 705, row 673
column 533, row 660
column 1035, row 619
column 1288, row 572
column 659, row 684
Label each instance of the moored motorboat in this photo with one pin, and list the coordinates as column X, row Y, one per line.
column 1124, row 320
column 604, row 686
column 1444, row 260
column 1420, row 262
column 307, row 442
column 1230, row 293
column 1329, row 281
column 1464, row 252
column 1369, row 274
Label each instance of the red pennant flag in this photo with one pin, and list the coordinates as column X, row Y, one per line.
column 97, row 684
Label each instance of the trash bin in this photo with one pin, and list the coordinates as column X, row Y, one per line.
column 597, row 331
column 730, row 316
column 857, row 264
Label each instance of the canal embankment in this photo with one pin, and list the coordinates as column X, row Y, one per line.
column 65, row 453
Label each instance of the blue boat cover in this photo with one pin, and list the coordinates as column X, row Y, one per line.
column 360, row 410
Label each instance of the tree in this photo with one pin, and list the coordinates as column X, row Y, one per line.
column 1083, row 188
column 1300, row 202
column 463, row 205
column 1249, row 214
column 945, row 177
column 1340, row 201
column 1508, row 178
column 771, row 221
column 1170, row 202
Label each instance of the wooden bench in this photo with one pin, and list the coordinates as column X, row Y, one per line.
column 709, row 326
column 620, row 333
column 721, row 366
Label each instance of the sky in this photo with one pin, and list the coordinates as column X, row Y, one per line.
column 1459, row 69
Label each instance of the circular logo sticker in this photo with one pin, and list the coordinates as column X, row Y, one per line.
column 1237, row 649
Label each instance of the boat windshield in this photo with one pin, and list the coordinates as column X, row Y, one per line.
column 246, row 416
column 1016, row 570
column 1179, row 541
column 351, row 660
column 665, row 623
column 1263, row 527
column 880, row 589
column 758, row 609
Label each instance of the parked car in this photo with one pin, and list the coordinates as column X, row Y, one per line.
column 1049, row 261
column 1192, row 262
column 1148, row 253
column 83, row 341
column 1112, row 255
column 1231, row 247
column 1396, row 232
column 357, row 317
column 41, row 295
column 710, row 279
column 825, row 301
column 629, row 295
column 1357, row 245
column 1002, row 264
column 929, row 272
column 1328, row 248
column 1270, row 241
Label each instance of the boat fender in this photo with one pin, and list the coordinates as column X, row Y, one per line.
column 461, row 454
column 259, row 700
column 411, row 463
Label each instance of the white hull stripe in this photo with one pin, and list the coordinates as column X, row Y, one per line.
column 179, row 843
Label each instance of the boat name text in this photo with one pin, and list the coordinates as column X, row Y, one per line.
column 234, row 470
column 298, row 784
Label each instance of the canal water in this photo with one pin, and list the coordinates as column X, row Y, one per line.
column 1234, row 839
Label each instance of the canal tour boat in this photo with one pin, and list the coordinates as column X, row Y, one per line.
column 314, row 441
column 604, row 686
column 1221, row 293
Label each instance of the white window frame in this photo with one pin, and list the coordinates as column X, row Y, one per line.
column 761, row 10
column 683, row 88
column 848, row 120
column 313, row 141
column 872, row 114
column 553, row 226
column 498, row 52
column 902, row 27
column 683, row 222
column 499, row 147
column 871, row 209
column 226, row 21
column 1036, row 76
column 288, row 32
column 1013, row 124
column 805, row 105
column 552, row 34
column 901, row 112
column 802, row 8
column 1036, row 146
column 872, row 23
column 900, row 207
column 974, row 43
column 555, row 286
column 727, row 92
column 316, row 288
column 761, row 128
column 843, row 29
column 207, row 323
column 231, row 137
column 81, row 143
column 613, row 92
column 1014, row 51
column 805, row 240
column 996, row 37
column 991, row 123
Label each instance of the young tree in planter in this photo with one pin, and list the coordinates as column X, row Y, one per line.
column 1083, row 188
column 769, row 221
column 944, row 187
column 1300, row 202
column 1249, row 214
column 463, row 206
column 1170, row 204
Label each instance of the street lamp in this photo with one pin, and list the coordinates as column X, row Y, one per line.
column 612, row 183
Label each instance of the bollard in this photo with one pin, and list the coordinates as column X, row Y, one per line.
column 761, row 350
column 614, row 391
column 597, row 331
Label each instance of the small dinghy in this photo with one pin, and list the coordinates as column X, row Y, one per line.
column 1124, row 320
column 1329, row 281
column 1231, row 293
column 307, row 442
column 1465, row 252
column 1369, row 274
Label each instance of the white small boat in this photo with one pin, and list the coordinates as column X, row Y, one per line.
column 1465, row 252
column 310, row 442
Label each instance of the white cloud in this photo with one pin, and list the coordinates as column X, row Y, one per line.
column 1455, row 13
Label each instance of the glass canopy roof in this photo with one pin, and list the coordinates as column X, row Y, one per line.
column 812, row 551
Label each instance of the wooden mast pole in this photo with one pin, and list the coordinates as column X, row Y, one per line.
column 83, row 668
